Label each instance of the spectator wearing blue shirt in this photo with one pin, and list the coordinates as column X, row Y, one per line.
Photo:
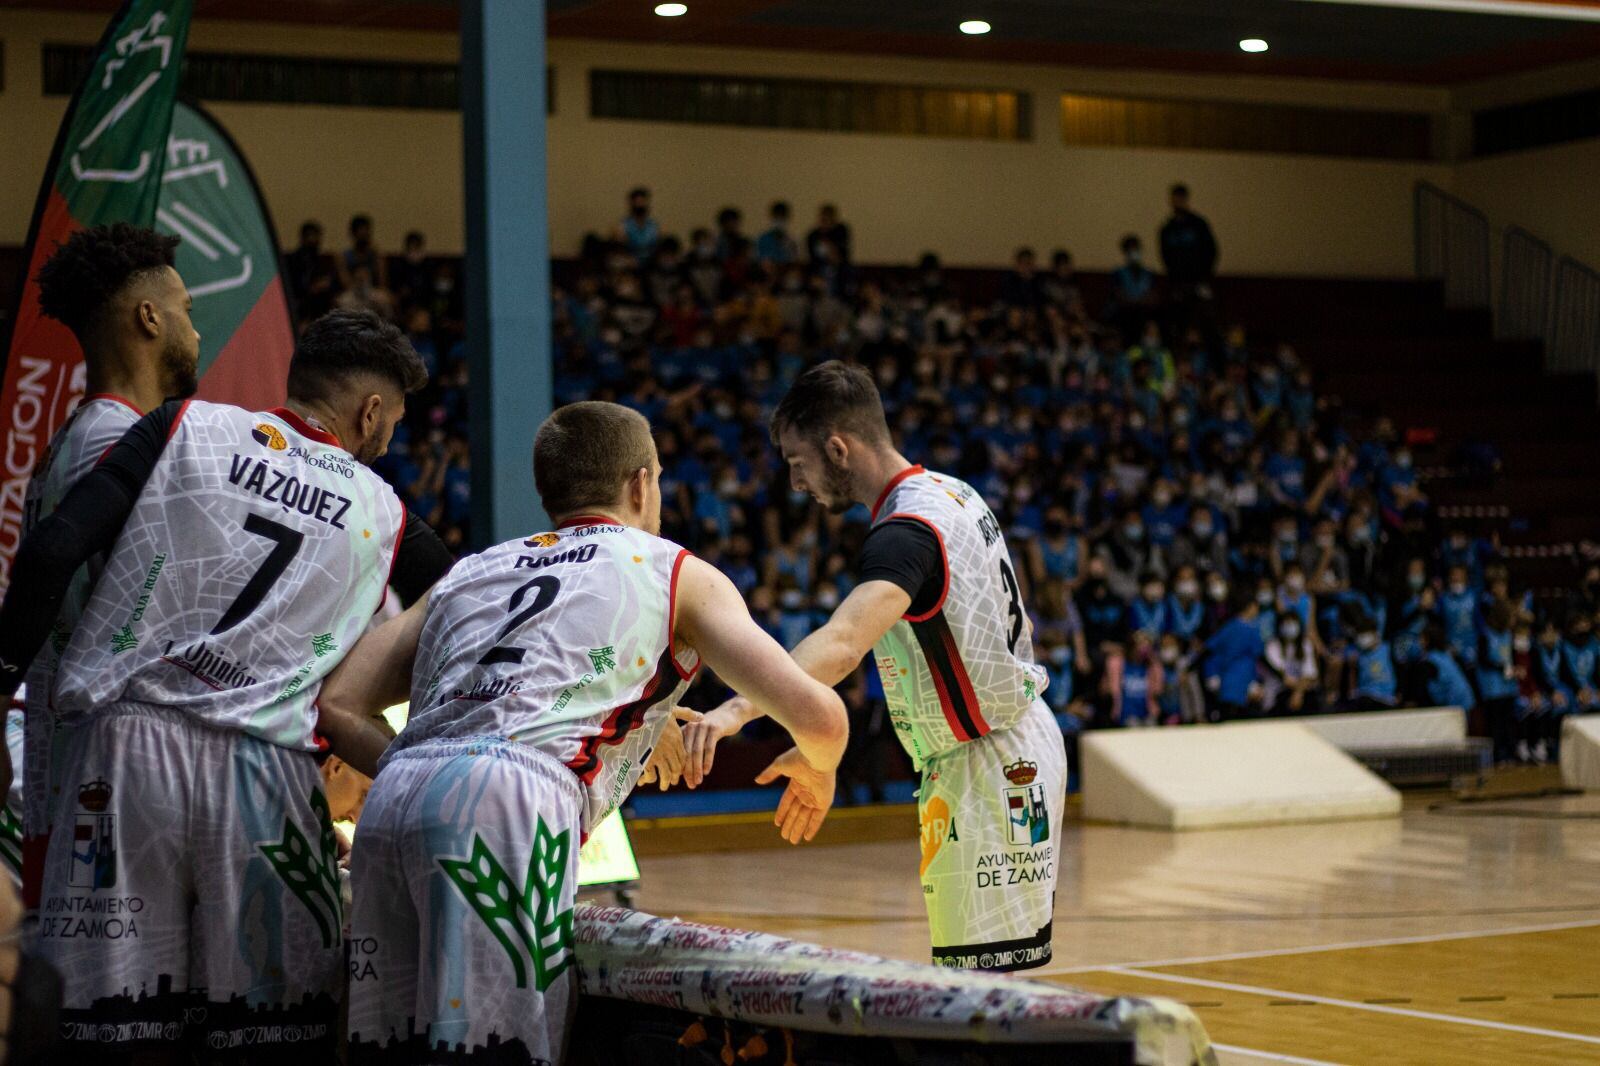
column 1445, row 682
column 1164, row 517
column 1580, row 654
column 1374, row 685
column 1497, row 680
column 1458, row 610
column 1397, row 484
column 637, row 231
column 1148, row 613
column 1549, row 674
column 775, row 247
column 1059, row 551
column 1186, row 612
column 1134, row 299
column 1134, row 682
column 1229, row 659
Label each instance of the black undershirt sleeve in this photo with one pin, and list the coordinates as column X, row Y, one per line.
column 421, row 560
column 86, row 523
column 906, row 554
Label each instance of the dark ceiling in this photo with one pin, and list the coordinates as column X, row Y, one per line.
column 1340, row 40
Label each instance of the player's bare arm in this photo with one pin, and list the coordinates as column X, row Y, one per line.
column 828, row 655
column 375, row 675
column 712, row 618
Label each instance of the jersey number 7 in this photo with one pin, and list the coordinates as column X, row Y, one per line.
column 285, row 543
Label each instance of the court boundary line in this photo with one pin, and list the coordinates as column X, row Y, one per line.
column 1273, row 1056
column 1268, row 953
column 1350, row 1004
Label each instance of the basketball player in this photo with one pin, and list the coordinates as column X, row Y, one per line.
column 939, row 605
column 190, row 853
column 115, row 288
column 541, row 674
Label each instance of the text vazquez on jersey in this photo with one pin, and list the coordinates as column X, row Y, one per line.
column 287, row 491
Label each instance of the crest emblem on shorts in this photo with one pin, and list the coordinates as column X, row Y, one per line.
column 1027, row 815
column 268, row 434
column 94, row 842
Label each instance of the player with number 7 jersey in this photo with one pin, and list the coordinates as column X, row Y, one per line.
column 190, row 852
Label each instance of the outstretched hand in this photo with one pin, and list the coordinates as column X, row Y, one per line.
column 700, row 739
column 666, row 763
column 806, row 801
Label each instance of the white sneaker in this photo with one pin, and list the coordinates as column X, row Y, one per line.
column 1541, row 752
column 1523, row 754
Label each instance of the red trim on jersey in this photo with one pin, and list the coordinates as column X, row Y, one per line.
column 944, row 558
column 910, row 471
column 304, row 428
column 622, row 720
column 176, row 419
column 405, row 516
column 672, row 620
column 582, row 520
column 964, row 683
column 114, row 398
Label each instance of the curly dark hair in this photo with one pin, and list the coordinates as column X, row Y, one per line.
column 342, row 344
column 90, row 268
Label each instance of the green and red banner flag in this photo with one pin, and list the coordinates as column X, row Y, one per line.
column 229, row 260
column 129, row 151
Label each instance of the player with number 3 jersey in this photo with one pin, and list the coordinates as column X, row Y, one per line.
column 191, row 852
column 939, row 607
column 542, row 675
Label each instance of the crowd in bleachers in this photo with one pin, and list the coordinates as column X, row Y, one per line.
column 1201, row 535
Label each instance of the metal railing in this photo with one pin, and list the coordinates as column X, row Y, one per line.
column 1574, row 342
column 1527, row 269
column 1452, row 246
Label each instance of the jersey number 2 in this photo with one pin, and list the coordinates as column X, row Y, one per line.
column 285, row 542
column 548, row 585
column 1014, row 609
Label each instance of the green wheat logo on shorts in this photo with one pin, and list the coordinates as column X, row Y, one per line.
column 311, row 875
column 542, row 933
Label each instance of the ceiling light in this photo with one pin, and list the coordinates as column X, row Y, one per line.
column 1249, row 44
column 668, row 11
column 973, row 27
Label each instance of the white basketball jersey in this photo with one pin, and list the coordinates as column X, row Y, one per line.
column 562, row 641
column 89, row 432
column 253, row 559
column 965, row 667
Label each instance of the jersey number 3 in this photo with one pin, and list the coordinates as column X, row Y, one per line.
column 1014, row 608
column 548, row 585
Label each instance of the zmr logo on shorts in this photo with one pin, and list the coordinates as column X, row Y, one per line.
column 268, row 434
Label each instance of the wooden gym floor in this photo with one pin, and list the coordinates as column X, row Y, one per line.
column 1458, row 932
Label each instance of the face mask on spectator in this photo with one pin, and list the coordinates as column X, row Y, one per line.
column 1202, row 529
column 1324, row 540
column 827, row 599
column 1416, row 581
column 1367, row 641
column 1264, row 597
column 1458, row 587
column 1360, row 534
column 1403, row 460
column 1187, row 589
column 1180, row 418
column 1522, row 643
column 1217, row 590
column 1295, row 585
column 1134, row 256
column 1060, row 654
column 1286, row 536
column 792, row 600
column 1161, row 498
column 1289, row 630
column 1133, row 531
column 1169, row 655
